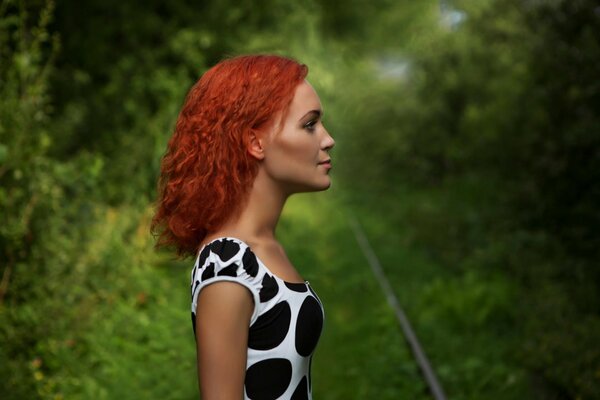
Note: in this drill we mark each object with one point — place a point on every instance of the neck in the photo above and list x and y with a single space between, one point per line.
258 219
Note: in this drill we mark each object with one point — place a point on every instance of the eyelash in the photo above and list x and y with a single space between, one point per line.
310 126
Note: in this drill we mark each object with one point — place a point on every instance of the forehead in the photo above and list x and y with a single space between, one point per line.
305 99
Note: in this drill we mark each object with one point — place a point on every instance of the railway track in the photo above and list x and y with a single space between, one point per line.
411 338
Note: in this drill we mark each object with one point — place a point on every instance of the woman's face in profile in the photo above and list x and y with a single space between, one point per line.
294 155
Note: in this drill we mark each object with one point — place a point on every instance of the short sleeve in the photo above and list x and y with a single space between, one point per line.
226 259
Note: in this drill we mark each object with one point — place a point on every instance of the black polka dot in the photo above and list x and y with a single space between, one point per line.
203 256
301 392
250 262
194 322
225 248
230 270
269 288
269 330
209 272
268 379
308 326
296 287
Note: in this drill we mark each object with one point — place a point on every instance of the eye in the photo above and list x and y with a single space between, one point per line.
310 125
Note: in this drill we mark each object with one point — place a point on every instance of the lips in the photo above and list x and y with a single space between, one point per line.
326 164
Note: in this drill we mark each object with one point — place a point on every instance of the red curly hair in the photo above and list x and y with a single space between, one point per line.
207 171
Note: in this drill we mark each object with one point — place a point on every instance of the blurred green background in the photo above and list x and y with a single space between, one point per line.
467 145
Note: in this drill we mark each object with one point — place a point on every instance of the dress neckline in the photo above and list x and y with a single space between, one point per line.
257 258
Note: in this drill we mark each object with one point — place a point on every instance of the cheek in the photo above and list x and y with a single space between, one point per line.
298 150
291 157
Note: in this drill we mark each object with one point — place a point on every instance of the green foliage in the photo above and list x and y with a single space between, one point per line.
466 323
127 316
24 138
493 146
27 185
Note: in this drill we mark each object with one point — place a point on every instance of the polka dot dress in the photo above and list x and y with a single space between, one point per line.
284 328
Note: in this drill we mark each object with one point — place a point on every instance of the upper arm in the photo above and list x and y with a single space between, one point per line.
223 314
226 299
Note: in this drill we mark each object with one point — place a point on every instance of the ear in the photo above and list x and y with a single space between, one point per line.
256 144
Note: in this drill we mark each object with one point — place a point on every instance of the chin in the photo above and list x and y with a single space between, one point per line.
324 186
311 187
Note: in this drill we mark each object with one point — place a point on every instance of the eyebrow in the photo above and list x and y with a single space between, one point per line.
318 113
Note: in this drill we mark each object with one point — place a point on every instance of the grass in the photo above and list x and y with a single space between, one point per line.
464 317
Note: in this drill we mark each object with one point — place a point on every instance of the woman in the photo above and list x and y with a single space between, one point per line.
249 135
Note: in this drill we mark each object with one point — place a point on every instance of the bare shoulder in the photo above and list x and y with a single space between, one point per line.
225 297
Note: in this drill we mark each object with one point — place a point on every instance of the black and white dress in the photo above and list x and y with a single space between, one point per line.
285 326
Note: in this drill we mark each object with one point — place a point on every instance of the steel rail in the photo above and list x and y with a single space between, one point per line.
430 377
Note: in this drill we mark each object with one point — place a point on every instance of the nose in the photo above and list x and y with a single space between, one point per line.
328 141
